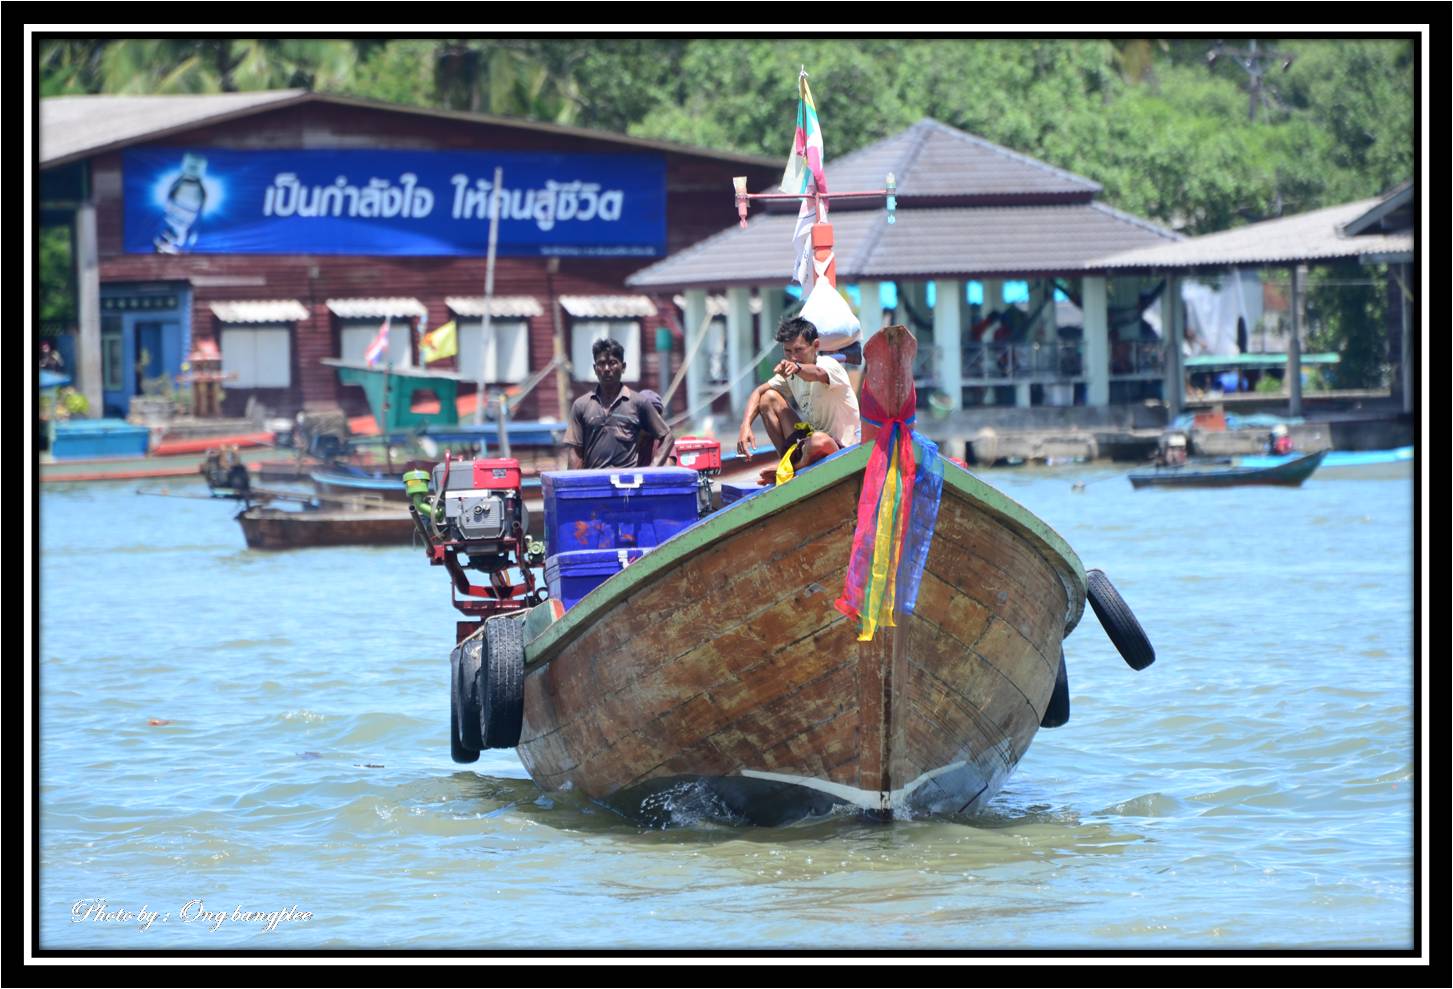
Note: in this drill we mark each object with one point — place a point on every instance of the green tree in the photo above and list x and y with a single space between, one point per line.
57 293
1347 310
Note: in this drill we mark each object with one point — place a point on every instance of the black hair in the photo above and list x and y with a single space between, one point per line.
608 346
793 327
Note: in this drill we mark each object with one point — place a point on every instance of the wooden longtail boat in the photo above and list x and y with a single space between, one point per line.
735 670
1288 473
276 528
717 668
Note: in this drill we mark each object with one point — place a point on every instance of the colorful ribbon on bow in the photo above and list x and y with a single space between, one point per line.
897 509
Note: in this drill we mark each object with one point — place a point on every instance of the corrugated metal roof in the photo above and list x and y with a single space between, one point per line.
1314 236
1392 201
78 126
72 126
260 311
376 308
500 306
961 241
608 306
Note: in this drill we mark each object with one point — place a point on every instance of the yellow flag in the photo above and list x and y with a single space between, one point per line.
439 344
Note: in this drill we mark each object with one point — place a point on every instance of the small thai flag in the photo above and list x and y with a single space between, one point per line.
379 347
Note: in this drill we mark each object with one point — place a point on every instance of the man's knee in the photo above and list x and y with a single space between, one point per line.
772 401
817 446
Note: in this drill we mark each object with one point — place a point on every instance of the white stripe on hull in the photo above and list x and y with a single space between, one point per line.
948 789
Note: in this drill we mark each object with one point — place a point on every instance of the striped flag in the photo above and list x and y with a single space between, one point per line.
379 347
804 174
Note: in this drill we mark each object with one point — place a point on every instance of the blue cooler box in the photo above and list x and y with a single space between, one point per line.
616 509
79 439
571 576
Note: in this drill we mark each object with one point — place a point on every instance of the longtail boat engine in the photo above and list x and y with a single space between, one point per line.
472 516
702 455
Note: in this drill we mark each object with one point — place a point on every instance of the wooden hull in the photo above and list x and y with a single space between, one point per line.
1291 473
717 668
271 528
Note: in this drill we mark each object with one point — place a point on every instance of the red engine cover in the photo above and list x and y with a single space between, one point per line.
497 473
698 453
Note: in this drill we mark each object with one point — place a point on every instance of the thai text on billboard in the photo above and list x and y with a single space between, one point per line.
400 203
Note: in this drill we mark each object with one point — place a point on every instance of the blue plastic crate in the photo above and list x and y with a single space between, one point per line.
616 509
571 576
79 439
733 493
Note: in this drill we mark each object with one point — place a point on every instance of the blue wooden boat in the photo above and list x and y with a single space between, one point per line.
1290 473
1338 459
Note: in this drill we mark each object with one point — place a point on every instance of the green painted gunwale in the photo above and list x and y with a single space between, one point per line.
546 637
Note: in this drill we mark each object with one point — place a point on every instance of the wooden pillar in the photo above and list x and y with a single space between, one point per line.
771 315
1294 344
739 346
1173 335
870 308
1096 355
1404 307
88 309
993 295
948 338
695 329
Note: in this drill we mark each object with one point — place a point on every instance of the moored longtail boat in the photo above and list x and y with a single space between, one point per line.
275 528
1288 473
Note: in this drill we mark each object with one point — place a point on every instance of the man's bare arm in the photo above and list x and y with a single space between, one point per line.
746 440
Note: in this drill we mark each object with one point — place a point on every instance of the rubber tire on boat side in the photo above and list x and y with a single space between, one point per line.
457 750
1118 621
471 656
502 682
1057 712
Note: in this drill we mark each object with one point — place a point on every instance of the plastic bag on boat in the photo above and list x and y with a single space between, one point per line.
827 310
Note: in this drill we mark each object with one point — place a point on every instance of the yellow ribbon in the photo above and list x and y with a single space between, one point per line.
886 551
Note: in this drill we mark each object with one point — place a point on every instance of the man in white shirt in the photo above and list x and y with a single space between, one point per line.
809 390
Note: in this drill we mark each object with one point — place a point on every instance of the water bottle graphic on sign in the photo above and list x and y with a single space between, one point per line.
184 203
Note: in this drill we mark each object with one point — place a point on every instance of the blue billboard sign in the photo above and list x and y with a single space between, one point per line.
397 203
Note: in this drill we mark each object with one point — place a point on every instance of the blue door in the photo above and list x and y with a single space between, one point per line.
149 365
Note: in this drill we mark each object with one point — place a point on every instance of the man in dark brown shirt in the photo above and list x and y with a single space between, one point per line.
607 426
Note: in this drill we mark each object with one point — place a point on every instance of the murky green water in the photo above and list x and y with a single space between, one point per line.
1252 789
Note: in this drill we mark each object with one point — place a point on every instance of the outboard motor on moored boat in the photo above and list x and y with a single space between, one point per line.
472 516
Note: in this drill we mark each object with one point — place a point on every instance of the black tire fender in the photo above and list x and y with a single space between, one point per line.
1057 712
471 656
457 750
1118 621
501 682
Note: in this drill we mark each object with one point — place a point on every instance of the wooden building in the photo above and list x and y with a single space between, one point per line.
288 226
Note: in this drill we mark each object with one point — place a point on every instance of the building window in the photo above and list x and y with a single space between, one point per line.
505 356
585 332
261 356
113 354
354 336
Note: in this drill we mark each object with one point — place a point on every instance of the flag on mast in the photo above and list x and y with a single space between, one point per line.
439 344
379 347
804 175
